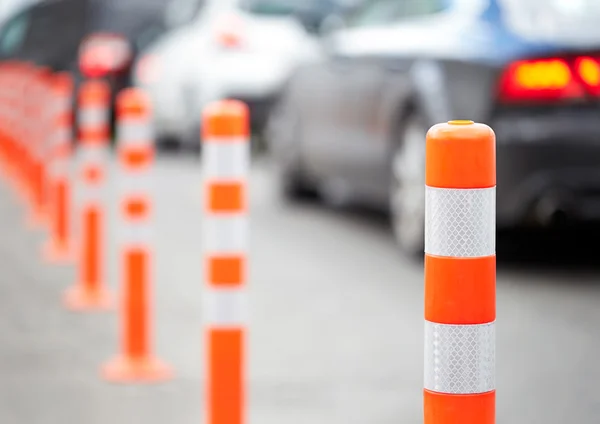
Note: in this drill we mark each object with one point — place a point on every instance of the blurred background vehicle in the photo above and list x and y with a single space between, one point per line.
242 49
89 38
351 126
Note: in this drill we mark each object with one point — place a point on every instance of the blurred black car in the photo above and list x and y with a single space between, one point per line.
89 38
352 126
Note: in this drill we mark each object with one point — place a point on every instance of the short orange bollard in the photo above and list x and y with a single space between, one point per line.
135 362
226 161
90 292
12 122
460 274
5 120
58 247
38 124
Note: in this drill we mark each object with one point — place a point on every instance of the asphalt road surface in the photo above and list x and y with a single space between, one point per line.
336 330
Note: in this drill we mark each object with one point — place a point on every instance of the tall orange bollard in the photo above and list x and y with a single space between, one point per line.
90 292
226 159
135 362
460 274
58 247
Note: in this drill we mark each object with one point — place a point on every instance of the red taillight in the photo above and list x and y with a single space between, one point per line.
550 80
588 70
539 80
101 54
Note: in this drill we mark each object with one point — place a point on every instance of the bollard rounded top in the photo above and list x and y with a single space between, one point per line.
226 118
62 83
133 103
460 154
94 92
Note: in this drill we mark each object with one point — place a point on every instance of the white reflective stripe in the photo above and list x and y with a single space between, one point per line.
225 160
135 133
93 117
134 232
460 359
460 222
93 154
134 183
225 234
224 307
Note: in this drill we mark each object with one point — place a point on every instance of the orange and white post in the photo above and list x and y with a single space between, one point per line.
58 247
135 145
90 291
226 159
6 119
37 125
12 123
460 274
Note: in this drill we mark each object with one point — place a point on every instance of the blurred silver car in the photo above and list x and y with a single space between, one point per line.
352 125
242 49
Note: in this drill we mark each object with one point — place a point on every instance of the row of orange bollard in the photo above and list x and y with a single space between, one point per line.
62 181
63 186
36 157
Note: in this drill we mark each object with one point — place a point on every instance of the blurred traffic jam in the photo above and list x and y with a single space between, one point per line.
331 107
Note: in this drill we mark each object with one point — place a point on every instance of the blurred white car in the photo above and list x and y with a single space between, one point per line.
242 49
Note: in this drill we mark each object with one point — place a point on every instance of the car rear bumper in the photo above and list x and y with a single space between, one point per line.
548 170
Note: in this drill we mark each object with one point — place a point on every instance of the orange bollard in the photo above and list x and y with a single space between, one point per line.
460 274
4 120
226 159
135 362
38 126
18 122
10 122
58 247
90 292
27 135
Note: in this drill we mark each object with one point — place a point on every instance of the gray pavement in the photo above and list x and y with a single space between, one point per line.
335 332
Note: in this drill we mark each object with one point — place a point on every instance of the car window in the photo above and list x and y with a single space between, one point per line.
309 13
382 12
13 34
375 12
415 8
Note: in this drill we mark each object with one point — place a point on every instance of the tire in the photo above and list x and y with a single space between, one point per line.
283 144
407 188
293 186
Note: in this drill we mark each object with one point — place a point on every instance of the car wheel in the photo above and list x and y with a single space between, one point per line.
284 144
407 189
